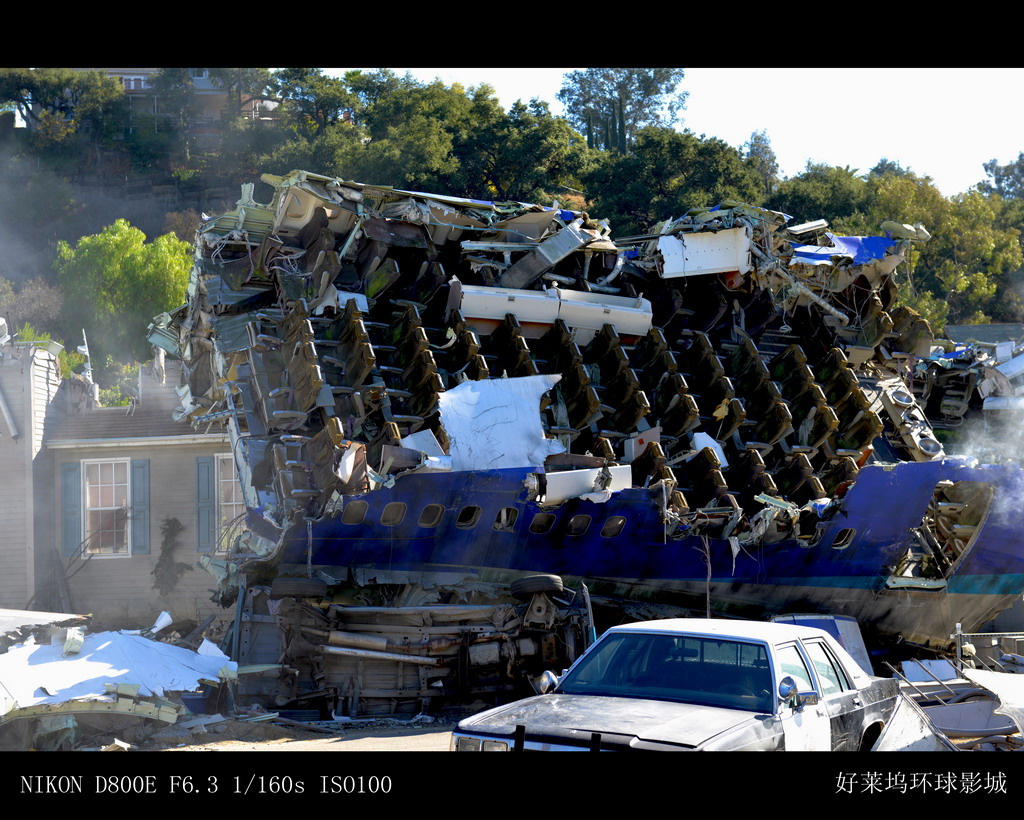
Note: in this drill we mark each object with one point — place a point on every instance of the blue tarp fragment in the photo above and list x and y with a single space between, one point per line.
860 249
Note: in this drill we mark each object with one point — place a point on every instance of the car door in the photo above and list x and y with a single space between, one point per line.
841 701
807 728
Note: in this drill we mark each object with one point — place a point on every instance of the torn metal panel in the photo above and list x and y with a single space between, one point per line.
700 254
544 256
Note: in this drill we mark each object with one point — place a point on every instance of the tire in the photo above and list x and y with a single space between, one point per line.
524 588
298 588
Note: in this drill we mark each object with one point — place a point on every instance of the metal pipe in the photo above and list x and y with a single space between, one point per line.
439 609
338 638
382 656
842 317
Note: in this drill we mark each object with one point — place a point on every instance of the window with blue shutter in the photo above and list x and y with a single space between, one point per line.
140 507
105 507
206 503
71 507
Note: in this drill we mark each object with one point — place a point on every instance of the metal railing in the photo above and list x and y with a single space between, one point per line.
983 650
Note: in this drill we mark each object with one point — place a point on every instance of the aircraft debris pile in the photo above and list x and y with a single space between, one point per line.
427 392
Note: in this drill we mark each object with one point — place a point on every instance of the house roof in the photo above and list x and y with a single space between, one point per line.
149 419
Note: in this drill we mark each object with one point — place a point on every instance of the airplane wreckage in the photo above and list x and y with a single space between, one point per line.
462 427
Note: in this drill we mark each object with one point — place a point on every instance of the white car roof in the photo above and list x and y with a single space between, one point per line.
770 633
749 630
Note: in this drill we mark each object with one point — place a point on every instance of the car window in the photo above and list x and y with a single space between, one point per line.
830 672
682 668
791 663
827 675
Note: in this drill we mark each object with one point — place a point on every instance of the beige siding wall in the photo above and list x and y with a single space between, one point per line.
44 411
16 538
119 590
28 380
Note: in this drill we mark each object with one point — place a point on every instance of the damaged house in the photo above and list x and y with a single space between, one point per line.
107 510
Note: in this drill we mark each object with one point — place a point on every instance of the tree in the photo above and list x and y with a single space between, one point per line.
242 85
115 282
963 273
610 105
37 303
311 100
668 173
67 360
840 195
759 155
887 167
176 91
64 108
1007 180
60 92
526 154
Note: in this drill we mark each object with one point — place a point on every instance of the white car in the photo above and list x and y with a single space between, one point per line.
695 684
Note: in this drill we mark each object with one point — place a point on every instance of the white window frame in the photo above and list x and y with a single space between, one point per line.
226 462
87 552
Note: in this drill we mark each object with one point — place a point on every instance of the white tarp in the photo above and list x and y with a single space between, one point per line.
495 424
33 673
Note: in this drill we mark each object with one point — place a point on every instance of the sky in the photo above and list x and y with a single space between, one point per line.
939 122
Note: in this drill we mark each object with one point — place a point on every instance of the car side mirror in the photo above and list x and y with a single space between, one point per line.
789 695
546 682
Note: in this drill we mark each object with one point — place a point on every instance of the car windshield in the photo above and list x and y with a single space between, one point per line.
682 668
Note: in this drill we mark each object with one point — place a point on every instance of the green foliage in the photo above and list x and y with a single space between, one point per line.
520 155
242 84
67 360
178 99
824 191
311 100
1006 180
336 150
65 108
965 274
118 381
887 167
667 174
611 105
759 155
115 282
397 131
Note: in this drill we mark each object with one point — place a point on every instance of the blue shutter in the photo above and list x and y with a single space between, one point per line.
140 506
206 503
71 507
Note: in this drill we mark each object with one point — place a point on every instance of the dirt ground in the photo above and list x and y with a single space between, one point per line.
242 736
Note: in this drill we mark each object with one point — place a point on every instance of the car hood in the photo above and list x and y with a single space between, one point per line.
576 717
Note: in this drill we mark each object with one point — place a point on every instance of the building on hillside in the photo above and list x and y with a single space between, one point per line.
144 100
